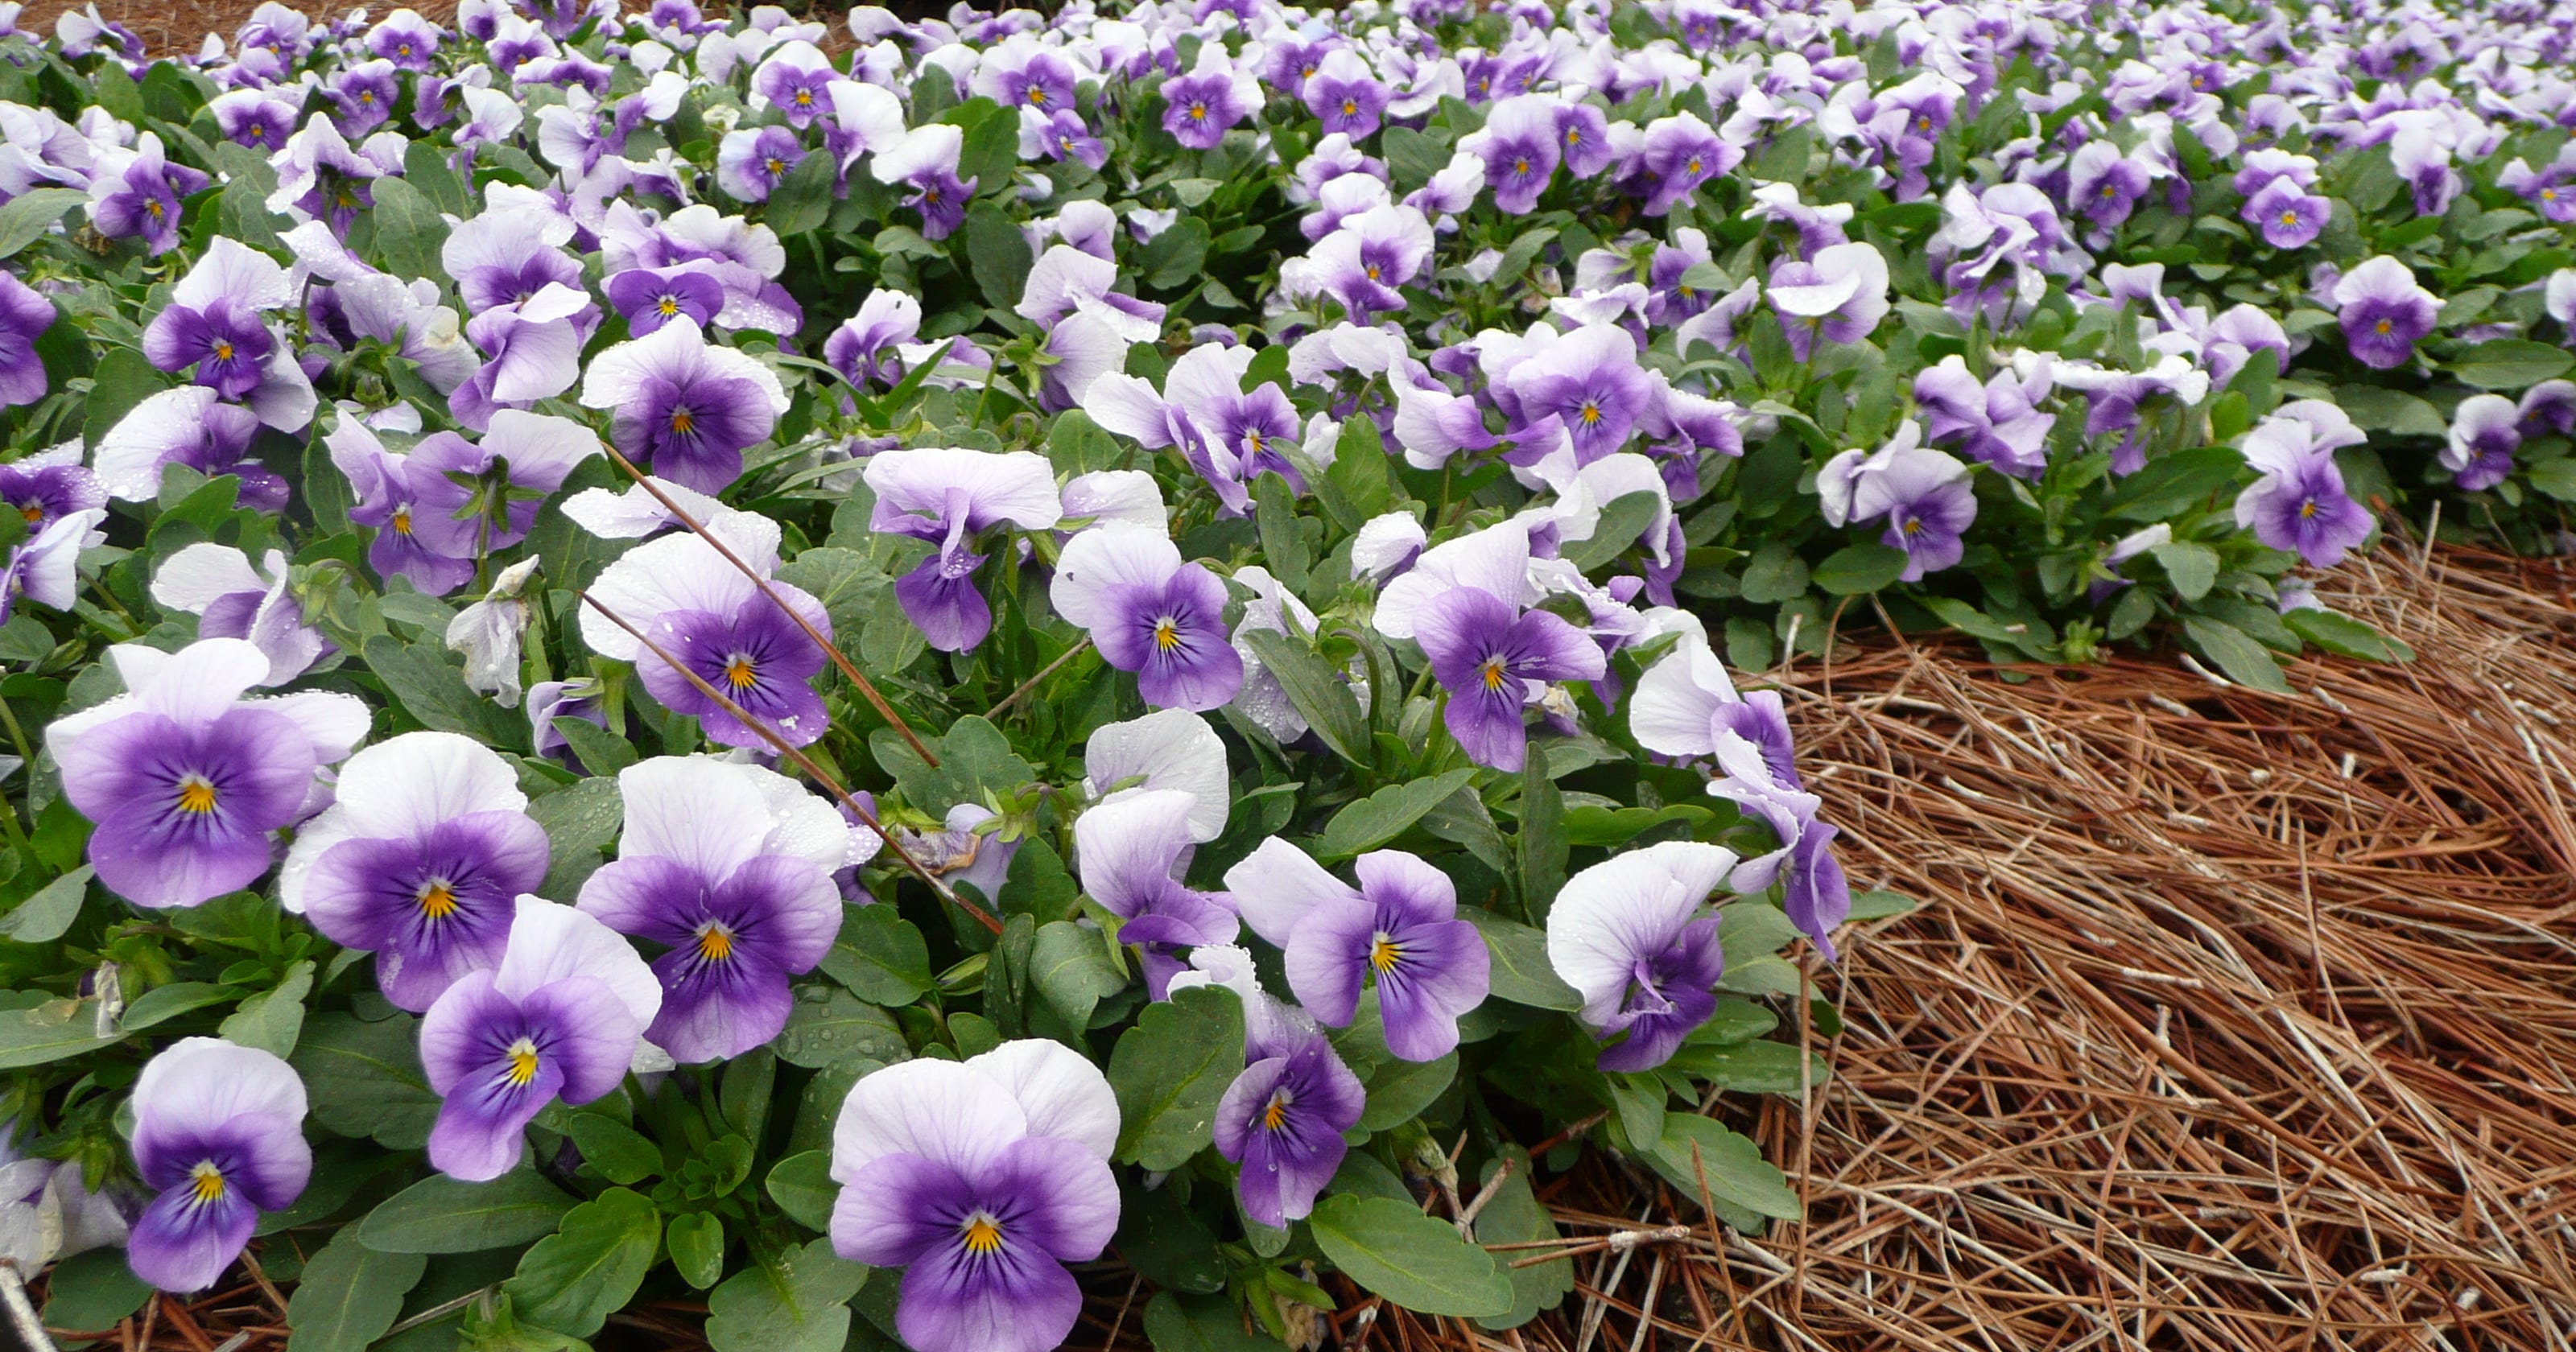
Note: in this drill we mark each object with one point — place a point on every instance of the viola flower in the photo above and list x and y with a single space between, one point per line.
1201 107
1837 296
420 859
365 95
1063 135
1684 704
509 255
2486 429
1364 260
219 1135
1632 935
1151 614
45 486
1677 155
1494 660
1399 930
926 160
216 325
729 868
752 162
140 199
1924 494
217 584
1016 76
256 118
1129 849
703 612
405 39
1345 95
2299 503
866 349
188 782
2548 407
980 1179
1997 423
321 177
1282 1119
949 497
2105 184
492 489
2288 217
652 297
686 408
560 1017
2384 312
44 568
403 501
532 351
1589 380
1169 749
185 426
1814 893
1519 145
582 699
796 79
24 317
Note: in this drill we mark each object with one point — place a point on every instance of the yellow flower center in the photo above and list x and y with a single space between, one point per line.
1493 671
669 306
1252 438
1372 272
196 795
1167 635
437 900
258 133
1914 527
1923 124
1384 954
1574 136
2289 218
777 166
1274 1114
983 1234
154 206
402 521
348 201
715 942
206 1182
1198 112
223 349
1591 413
682 421
34 512
523 1061
1521 165
1036 94
2383 326
1693 166
804 98
740 673
2307 510
1350 107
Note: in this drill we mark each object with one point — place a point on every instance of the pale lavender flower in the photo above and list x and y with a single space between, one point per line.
729 868
796 79
1168 749
1634 937
256 118
1996 422
752 162
219 1136
1519 145
1151 614
1924 495
1494 660
1837 296
1201 107
419 859
685 407
185 426
24 317
865 348
2288 217
231 599
2299 503
1345 95
652 297
406 39
216 326
1813 891
1130 849
559 1018
1589 381
1677 155
45 486
136 194
188 782
980 1179
506 256
531 349
2486 429
364 94
2384 312
949 497
1398 930
926 161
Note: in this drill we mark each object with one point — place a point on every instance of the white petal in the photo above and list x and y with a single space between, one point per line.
549 942
199 575
1063 1094
203 1082
696 809
409 785
942 1110
1106 556
1169 749
1276 885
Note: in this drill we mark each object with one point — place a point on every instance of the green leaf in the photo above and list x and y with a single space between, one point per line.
579 820
349 1295
163 1003
1318 692
828 1025
44 917
49 1032
1163 1240
364 1078
409 230
880 956
2238 656
1775 573
1621 523
1695 1147
603 753
2172 483
998 253
799 1303
1393 1250
1541 839
1512 1215
2374 408
429 688
2192 568
1176 255
1170 1070
1176 1324
272 1019
248 180
619 1152
1400 1090
697 1244
445 1215
802 1187
93 1290
1384 815
1071 972
2502 364
1749 1067
1412 157
573 1279
28 215
2346 636
1521 971
802 201
1864 567
974 758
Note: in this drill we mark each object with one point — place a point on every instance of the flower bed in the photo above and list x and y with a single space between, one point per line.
650 661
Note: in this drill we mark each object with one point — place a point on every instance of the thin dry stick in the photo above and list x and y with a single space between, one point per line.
875 698
1032 683
804 762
